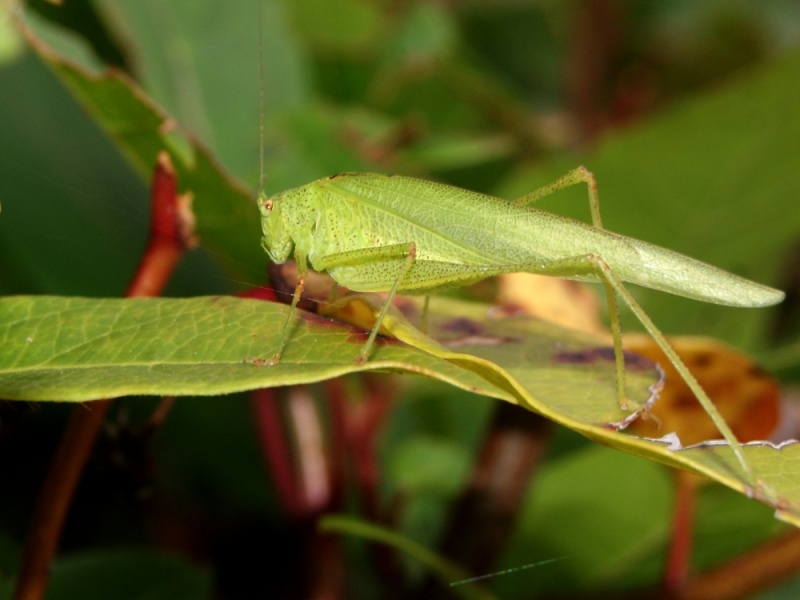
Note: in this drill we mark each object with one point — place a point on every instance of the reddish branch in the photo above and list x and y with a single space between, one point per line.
309 464
273 416
171 227
759 569
676 571
490 504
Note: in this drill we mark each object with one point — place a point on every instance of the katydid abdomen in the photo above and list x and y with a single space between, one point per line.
462 236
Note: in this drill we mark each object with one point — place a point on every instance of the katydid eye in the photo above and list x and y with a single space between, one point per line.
267 204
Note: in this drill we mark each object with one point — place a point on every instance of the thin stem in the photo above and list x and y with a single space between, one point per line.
749 573
55 497
676 571
490 503
267 406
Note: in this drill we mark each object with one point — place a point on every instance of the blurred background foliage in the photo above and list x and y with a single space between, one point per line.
686 112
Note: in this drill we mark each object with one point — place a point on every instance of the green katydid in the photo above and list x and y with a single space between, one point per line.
378 233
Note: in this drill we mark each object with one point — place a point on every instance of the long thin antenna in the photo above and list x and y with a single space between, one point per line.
262 175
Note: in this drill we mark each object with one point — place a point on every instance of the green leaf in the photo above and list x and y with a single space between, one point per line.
183 52
141 129
80 349
608 482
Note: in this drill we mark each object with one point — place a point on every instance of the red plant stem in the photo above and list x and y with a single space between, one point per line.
169 238
294 448
160 413
743 576
309 474
488 507
171 232
275 448
312 466
363 426
676 571
596 34
289 429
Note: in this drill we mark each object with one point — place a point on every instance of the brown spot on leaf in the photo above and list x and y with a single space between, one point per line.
603 354
256 361
462 325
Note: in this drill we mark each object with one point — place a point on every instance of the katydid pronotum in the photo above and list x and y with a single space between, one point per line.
378 233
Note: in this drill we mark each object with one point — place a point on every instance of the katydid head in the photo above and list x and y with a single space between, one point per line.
276 241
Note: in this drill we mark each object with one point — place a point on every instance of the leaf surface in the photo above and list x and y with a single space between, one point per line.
79 349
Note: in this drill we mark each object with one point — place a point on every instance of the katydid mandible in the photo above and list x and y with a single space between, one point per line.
379 233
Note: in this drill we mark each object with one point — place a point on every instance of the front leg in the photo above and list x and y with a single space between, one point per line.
377 253
302 272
